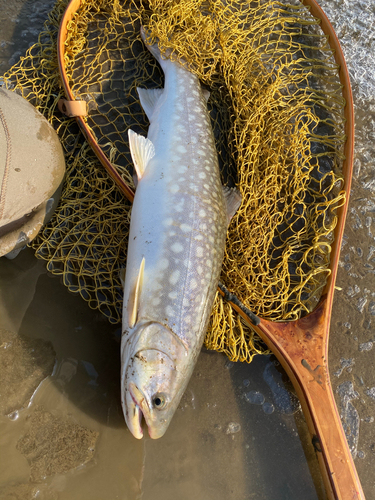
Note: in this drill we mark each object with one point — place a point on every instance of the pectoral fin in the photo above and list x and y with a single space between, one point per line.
142 150
134 297
149 98
233 200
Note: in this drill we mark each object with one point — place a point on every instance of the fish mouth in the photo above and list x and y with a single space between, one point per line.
136 419
135 410
138 410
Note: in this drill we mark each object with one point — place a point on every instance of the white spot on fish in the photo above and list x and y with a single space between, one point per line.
202 175
156 301
172 295
185 228
177 247
181 149
174 189
181 169
199 251
173 278
199 237
168 222
156 286
169 311
193 284
186 302
163 264
202 213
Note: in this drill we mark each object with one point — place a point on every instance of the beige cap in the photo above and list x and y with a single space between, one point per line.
32 169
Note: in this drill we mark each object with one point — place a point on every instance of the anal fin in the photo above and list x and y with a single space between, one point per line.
134 297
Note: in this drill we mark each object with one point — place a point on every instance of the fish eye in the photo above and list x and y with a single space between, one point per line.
159 401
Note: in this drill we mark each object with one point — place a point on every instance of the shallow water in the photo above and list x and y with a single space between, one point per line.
239 432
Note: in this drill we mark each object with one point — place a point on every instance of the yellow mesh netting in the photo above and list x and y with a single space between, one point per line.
277 114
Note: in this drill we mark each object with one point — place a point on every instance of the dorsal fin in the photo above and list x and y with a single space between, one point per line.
233 200
142 150
149 98
134 297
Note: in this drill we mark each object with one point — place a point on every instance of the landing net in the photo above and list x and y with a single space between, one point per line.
277 114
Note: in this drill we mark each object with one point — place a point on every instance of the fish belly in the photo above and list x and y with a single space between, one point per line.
178 221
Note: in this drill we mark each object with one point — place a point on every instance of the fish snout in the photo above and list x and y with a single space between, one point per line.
132 409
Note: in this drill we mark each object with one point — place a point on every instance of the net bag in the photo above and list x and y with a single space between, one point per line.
277 113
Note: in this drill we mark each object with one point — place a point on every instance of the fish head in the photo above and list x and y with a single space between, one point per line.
151 381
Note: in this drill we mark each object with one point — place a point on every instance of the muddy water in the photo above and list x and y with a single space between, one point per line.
237 425
239 432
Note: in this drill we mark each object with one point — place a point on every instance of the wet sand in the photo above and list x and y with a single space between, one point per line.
239 432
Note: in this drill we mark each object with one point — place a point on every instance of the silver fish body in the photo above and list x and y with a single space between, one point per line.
176 246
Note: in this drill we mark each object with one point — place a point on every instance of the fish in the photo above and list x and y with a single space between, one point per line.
176 246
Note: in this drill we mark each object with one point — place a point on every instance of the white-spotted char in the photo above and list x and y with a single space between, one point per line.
176 246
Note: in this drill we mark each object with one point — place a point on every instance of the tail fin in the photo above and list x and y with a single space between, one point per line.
154 49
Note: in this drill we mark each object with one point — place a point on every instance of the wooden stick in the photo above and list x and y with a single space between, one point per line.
302 349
